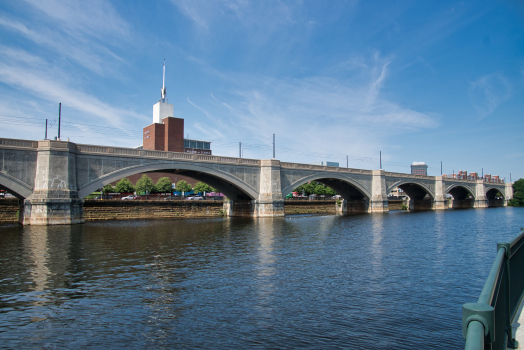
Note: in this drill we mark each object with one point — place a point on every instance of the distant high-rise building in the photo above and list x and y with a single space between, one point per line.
419 168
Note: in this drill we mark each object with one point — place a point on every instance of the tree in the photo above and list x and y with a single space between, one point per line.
164 185
314 187
203 187
108 189
145 184
319 189
307 189
183 186
124 186
518 194
330 191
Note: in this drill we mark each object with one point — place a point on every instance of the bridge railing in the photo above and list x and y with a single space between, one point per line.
164 154
18 143
301 166
473 178
486 324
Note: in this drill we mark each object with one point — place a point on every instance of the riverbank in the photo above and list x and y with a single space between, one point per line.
96 210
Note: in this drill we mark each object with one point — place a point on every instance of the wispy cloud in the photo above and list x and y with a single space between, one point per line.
52 84
94 18
57 46
199 108
488 92
329 111
85 33
246 13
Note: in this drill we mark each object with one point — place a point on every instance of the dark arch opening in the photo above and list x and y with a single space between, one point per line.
462 197
415 191
495 198
494 194
460 193
343 188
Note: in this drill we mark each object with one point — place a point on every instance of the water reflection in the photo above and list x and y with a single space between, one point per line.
301 282
36 251
377 249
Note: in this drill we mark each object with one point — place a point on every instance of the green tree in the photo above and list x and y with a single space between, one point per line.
145 184
314 187
124 186
108 189
518 194
330 191
203 187
320 189
183 186
163 185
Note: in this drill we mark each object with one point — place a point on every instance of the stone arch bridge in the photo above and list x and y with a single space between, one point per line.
53 177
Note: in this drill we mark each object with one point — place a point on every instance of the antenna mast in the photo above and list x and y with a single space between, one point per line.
163 93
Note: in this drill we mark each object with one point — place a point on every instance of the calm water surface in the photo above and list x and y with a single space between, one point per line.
392 281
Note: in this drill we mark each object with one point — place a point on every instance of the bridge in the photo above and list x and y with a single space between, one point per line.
52 177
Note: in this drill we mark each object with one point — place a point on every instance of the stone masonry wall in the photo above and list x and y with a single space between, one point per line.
309 207
8 210
128 210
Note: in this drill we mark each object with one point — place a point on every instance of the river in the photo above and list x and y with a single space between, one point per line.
380 281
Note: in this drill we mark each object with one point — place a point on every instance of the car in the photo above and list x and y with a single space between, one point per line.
130 197
194 198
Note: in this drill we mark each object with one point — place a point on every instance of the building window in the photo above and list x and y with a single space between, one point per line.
186 143
193 144
207 145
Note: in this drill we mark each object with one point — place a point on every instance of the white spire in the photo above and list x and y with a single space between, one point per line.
163 92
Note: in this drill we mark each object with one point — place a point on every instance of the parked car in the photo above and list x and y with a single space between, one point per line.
194 198
130 197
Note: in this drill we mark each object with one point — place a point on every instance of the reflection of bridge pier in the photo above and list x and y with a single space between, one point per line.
52 177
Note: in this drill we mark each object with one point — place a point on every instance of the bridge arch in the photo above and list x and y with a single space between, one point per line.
231 186
344 187
492 191
415 190
460 192
18 188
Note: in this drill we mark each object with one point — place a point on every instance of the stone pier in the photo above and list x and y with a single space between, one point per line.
55 196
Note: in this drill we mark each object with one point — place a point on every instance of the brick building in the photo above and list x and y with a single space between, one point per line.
166 133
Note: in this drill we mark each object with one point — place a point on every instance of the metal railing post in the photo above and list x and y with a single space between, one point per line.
478 318
511 343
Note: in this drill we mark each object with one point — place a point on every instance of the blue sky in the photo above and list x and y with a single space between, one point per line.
416 80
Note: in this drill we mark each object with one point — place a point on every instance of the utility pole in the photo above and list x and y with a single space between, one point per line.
240 150
509 177
59 116
380 160
273 146
347 162
45 129
440 168
482 172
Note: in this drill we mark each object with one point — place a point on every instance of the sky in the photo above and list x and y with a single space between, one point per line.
353 82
